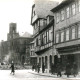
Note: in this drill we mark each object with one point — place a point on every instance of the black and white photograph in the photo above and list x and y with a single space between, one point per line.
39 39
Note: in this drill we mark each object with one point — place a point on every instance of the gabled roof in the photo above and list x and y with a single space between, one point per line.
61 5
43 7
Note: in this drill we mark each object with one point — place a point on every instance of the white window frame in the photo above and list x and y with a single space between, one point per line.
62 14
62 36
68 12
47 34
50 34
57 37
45 37
73 32
73 9
79 31
67 34
79 5
57 17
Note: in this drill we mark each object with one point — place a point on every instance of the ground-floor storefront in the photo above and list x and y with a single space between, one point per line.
71 59
33 61
70 54
47 58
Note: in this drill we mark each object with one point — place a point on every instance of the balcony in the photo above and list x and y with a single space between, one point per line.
38 49
34 18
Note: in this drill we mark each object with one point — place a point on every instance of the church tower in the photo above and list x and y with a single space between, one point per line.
12 32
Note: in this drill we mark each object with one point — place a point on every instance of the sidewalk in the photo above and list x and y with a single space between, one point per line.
54 75
42 74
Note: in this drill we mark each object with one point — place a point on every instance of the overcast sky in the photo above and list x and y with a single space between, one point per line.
17 11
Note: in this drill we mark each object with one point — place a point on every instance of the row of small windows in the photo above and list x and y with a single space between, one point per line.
68 34
44 38
61 15
32 53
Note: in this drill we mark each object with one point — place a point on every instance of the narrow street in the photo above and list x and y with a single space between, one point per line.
20 75
27 75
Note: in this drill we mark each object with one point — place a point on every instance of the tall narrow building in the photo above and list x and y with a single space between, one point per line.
42 21
12 32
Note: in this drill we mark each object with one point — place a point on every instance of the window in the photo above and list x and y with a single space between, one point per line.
73 9
43 38
41 22
57 17
38 23
47 36
67 34
62 15
35 26
73 33
31 53
48 20
79 5
79 31
67 12
37 42
57 37
62 36
33 14
50 34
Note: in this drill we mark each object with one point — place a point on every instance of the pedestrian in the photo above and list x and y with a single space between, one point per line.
68 69
35 67
59 69
12 68
38 67
52 68
75 69
43 67
32 67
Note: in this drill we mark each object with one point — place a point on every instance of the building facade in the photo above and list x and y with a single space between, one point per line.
67 32
42 21
16 48
33 56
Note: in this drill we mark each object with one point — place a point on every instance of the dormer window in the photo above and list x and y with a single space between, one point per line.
33 14
38 23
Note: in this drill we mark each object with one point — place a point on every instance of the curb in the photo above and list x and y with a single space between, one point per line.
42 74
53 76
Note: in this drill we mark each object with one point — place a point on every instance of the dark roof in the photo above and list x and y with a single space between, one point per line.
61 5
43 7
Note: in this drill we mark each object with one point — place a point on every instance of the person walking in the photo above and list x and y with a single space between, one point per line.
12 68
59 69
68 69
52 68
75 69
32 67
43 67
38 67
